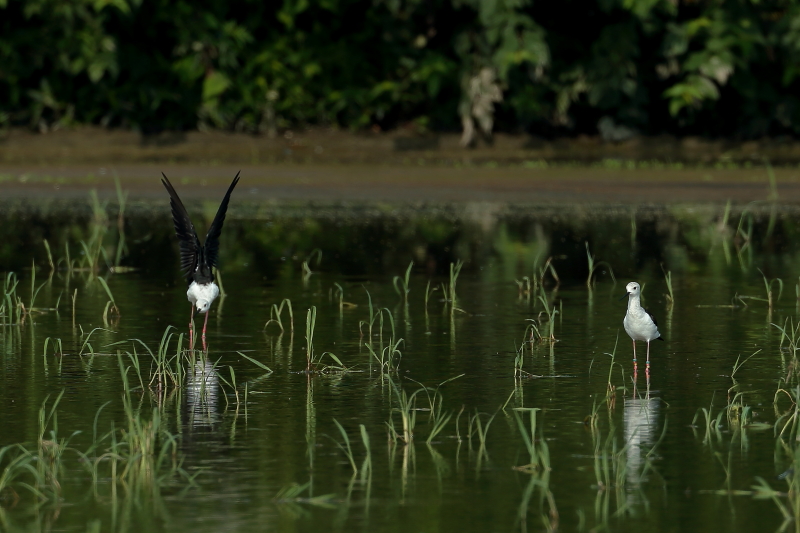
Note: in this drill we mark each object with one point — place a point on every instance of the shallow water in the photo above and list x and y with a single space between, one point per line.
642 462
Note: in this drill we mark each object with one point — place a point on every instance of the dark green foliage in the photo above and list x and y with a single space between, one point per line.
726 67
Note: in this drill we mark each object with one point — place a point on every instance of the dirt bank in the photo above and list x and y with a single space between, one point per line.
89 145
337 166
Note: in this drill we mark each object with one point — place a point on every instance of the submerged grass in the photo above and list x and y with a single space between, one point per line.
401 284
276 312
313 361
594 265
385 352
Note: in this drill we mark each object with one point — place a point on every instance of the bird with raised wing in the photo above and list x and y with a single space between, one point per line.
198 261
639 324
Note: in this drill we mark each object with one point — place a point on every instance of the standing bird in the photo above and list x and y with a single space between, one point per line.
198 260
639 324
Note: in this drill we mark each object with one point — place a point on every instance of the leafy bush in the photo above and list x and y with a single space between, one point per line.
615 66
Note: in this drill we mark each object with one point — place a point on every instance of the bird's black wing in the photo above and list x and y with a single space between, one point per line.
214 231
654 322
191 250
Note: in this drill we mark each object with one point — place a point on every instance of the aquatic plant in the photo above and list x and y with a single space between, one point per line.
315 253
449 290
291 494
437 418
406 407
337 293
314 362
276 312
476 427
538 451
429 292
111 305
768 288
711 424
401 284
387 354
594 265
551 314
11 308
668 280
345 446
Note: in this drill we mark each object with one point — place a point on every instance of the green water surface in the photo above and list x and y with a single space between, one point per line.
611 453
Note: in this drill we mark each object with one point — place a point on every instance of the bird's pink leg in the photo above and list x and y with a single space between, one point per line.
635 365
647 367
191 330
205 323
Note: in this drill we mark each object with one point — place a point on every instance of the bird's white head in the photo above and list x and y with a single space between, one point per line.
632 288
202 306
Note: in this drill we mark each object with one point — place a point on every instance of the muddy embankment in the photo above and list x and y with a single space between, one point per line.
332 165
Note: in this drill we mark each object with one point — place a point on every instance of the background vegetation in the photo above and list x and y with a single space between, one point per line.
618 67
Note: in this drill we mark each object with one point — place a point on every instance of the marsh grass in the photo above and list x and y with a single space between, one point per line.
594 265
538 451
528 285
94 246
406 407
551 313
401 284
51 450
788 421
519 358
477 428
11 306
711 424
291 494
49 257
122 200
739 414
111 308
668 279
449 290
276 312
306 266
18 470
86 345
336 293
789 343
345 446
429 291
313 361
385 353
524 285
768 290
256 362
169 366
57 347
34 290
437 419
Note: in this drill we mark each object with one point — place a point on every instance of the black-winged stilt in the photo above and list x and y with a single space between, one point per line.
198 260
639 324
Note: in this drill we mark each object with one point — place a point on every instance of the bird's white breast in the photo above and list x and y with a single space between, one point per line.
639 326
205 291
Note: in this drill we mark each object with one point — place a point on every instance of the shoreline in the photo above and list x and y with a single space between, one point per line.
368 168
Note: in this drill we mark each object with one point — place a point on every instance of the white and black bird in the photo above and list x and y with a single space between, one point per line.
639 324
198 261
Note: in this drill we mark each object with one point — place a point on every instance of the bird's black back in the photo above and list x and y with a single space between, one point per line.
654 322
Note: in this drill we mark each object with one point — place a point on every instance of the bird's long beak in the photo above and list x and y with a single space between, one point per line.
625 295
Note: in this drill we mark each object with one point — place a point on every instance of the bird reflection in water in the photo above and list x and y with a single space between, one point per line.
202 394
640 424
